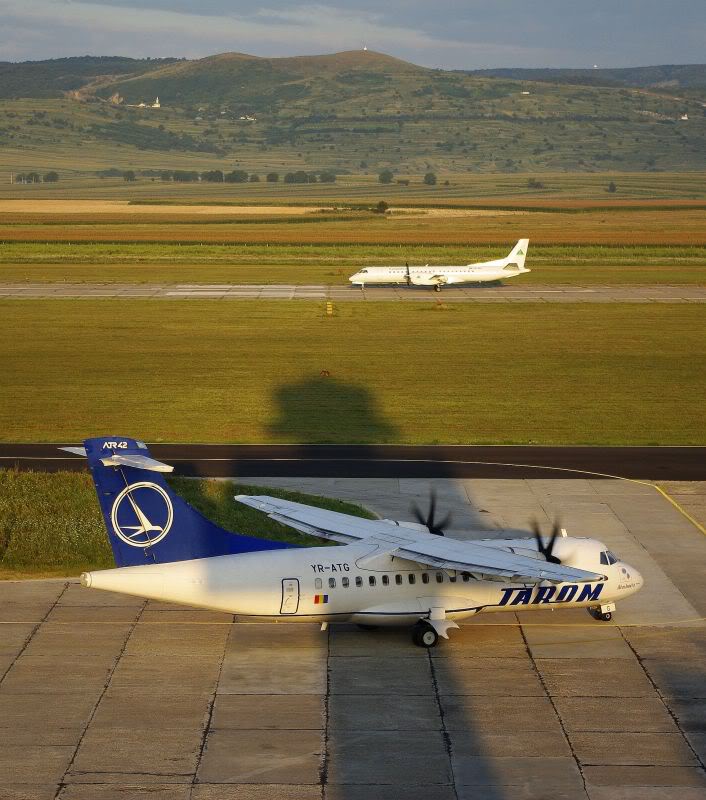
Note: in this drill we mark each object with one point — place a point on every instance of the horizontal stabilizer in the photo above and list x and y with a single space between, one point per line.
136 461
77 451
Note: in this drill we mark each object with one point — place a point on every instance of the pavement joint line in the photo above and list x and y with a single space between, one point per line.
325 733
659 694
62 783
543 684
211 704
444 730
587 625
37 626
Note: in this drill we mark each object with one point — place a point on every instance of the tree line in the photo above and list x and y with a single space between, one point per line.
219 176
35 177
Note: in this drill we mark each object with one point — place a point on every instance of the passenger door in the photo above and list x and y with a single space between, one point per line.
290 596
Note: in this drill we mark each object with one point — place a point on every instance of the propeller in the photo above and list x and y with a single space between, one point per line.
546 549
434 526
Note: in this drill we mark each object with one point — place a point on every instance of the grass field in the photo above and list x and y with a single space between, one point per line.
333 264
51 525
409 373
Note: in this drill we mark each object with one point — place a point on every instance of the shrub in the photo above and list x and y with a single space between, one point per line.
430 179
385 176
272 177
236 176
51 177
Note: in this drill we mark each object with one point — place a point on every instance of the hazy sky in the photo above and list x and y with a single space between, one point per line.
443 33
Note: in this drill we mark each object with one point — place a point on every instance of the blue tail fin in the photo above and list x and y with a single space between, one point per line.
147 523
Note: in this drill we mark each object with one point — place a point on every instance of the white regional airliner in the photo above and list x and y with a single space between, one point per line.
384 573
437 277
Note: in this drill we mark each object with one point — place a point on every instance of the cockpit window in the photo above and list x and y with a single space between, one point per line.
363 271
608 558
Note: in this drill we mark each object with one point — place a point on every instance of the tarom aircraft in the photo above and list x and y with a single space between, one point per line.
384 573
437 277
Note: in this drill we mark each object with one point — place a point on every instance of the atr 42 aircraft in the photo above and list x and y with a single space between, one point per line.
437 277
385 572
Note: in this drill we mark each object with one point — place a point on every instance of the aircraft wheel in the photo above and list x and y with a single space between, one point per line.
594 612
607 617
424 635
437 287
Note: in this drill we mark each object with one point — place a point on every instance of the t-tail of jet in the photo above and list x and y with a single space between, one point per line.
518 255
147 522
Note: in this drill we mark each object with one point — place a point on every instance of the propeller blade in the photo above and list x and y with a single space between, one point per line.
429 521
418 514
439 527
547 549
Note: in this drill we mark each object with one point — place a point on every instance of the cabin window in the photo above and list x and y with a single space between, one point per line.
425 577
331 583
439 577
318 583
412 577
385 580
398 580
466 577
371 580
358 581
345 582
452 578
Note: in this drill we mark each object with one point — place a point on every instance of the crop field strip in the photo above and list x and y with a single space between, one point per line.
284 371
464 187
425 226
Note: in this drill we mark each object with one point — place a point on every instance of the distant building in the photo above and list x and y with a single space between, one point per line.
525 92
142 105
156 103
684 116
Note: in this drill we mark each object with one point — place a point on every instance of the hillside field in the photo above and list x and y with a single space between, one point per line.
406 373
349 113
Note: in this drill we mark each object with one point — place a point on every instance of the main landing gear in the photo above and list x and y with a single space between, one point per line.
603 613
423 635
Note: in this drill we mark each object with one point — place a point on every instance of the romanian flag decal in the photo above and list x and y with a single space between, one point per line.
320 598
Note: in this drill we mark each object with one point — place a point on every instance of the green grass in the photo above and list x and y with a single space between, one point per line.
407 373
332 264
50 524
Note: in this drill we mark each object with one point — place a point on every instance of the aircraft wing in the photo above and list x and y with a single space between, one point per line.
417 545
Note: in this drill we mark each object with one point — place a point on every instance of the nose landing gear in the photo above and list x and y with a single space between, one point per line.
603 613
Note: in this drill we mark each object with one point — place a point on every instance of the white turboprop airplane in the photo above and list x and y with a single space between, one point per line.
437 277
384 573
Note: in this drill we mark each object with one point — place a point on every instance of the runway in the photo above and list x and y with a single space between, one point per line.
510 293
404 461
105 696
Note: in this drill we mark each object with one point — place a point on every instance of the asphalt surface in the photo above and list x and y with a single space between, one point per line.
404 461
106 697
509 293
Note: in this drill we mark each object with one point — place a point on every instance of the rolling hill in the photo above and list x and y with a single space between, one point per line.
688 80
347 112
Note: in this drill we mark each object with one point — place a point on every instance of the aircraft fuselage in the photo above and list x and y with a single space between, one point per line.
350 583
